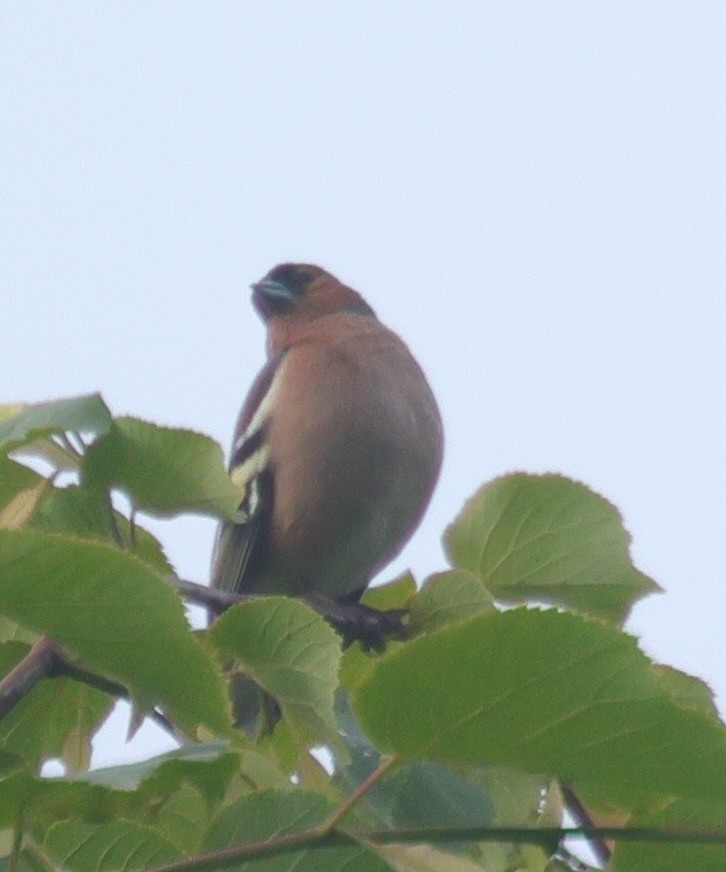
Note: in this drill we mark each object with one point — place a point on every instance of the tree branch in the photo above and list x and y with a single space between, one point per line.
113 688
39 663
339 813
46 660
544 836
352 620
201 595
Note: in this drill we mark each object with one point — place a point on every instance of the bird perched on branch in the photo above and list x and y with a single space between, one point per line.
338 445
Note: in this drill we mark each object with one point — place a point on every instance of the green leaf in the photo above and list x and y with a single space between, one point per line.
208 765
393 594
21 490
686 690
447 597
362 758
548 539
416 795
516 796
57 718
164 471
425 858
546 692
357 658
210 768
15 478
357 661
11 631
24 861
117 615
265 815
85 414
85 513
423 794
9 410
183 819
519 799
270 814
431 795
43 800
20 510
110 847
669 856
292 653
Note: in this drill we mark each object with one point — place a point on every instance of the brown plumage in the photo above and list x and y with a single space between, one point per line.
338 445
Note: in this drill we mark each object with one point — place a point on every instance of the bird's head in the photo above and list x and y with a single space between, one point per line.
301 290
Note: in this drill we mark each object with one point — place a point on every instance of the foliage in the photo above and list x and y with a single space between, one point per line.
446 751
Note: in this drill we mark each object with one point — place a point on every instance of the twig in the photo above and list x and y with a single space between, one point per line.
113 688
312 838
318 835
383 768
214 599
351 620
46 660
39 663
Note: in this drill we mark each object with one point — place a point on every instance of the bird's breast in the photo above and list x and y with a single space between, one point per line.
361 455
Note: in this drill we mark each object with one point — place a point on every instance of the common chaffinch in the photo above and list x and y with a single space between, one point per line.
338 445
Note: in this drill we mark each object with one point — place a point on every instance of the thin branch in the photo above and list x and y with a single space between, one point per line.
46 660
544 836
256 850
98 682
383 768
113 688
211 597
318 835
351 620
38 663
219 601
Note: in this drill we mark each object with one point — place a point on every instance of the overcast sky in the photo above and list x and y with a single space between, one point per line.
532 194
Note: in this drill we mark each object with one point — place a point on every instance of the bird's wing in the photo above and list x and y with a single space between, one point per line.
235 543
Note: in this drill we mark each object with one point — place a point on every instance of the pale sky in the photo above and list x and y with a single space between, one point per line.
532 194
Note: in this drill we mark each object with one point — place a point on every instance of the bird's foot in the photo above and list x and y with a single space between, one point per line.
359 623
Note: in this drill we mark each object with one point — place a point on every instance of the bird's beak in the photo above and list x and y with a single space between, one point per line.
270 297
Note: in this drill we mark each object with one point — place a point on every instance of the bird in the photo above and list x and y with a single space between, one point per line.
337 448
338 445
